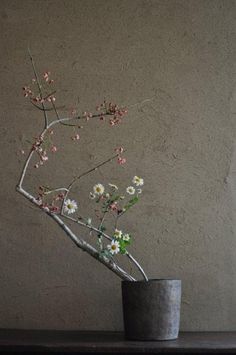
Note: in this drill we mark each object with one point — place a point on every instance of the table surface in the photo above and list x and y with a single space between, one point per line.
105 342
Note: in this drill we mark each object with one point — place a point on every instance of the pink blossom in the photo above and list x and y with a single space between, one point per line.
119 150
54 209
44 157
121 160
87 115
76 137
53 149
27 91
46 75
51 99
113 206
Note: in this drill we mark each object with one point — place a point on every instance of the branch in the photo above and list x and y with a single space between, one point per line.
84 174
91 170
110 264
100 229
109 238
39 88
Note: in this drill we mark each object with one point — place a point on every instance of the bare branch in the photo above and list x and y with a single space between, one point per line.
39 88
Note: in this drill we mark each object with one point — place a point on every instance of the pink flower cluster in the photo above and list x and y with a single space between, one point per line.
54 205
87 115
76 137
41 151
27 91
38 98
111 109
120 160
46 76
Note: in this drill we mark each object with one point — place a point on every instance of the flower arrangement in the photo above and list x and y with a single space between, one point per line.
58 203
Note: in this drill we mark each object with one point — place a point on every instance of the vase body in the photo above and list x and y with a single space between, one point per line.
151 309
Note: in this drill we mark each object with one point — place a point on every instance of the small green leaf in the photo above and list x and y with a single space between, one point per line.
131 203
106 253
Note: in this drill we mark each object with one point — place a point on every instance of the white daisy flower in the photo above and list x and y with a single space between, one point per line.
117 234
113 186
114 247
126 237
130 190
98 189
70 206
138 181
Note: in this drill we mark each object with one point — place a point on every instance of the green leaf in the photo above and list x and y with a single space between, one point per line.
106 253
123 244
131 203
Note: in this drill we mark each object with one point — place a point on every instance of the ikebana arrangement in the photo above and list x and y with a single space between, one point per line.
57 202
151 307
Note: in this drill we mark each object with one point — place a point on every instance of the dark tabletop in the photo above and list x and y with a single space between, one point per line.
106 342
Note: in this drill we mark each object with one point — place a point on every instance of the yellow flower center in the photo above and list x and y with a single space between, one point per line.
70 206
113 247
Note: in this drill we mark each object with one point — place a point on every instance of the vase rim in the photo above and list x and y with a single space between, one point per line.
150 280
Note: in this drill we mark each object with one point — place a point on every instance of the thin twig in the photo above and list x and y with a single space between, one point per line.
77 178
91 170
100 229
39 88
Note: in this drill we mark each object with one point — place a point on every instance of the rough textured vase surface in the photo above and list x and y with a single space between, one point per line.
151 309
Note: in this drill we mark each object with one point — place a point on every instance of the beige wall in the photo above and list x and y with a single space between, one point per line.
180 55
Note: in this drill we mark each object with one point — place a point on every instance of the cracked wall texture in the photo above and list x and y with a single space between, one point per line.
181 56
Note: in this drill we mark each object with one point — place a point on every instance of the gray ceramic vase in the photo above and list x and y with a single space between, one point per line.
151 309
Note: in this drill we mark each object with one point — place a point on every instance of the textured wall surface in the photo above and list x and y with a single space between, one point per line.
181 56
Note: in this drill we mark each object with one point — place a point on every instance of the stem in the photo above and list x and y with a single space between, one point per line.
84 174
110 264
55 190
99 228
109 238
91 170
25 168
39 88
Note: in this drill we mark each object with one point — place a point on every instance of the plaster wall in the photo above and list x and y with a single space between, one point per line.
173 64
